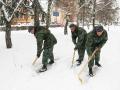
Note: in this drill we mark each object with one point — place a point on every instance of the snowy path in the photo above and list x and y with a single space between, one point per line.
17 73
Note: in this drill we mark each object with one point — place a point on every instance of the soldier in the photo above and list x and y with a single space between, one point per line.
95 40
79 38
46 39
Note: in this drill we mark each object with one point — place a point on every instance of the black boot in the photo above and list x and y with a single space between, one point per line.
91 72
43 69
78 62
51 62
97 64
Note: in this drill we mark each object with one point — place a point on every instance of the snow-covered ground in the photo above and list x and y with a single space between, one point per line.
17 72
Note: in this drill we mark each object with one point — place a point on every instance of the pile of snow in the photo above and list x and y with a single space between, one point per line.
17 72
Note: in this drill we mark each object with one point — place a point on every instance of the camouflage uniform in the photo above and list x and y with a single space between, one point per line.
93 42
79 39
46 39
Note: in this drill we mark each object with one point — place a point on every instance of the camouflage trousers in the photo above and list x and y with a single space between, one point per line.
47 54
81 53
95 59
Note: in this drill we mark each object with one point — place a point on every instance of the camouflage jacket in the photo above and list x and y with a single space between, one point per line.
45 39
79 37
94 41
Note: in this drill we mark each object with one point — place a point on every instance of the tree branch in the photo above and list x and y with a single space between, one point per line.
8 18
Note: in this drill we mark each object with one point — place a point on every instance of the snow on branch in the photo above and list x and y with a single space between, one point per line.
5 12
104 6
85 4
15 10
8 18
5 4
40 3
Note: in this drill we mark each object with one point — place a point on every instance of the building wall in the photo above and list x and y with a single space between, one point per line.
58 19
61 19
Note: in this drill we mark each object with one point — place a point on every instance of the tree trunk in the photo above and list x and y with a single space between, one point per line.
94 6
78 19
8 35
43 18
65 28
48 14
36 13
83 18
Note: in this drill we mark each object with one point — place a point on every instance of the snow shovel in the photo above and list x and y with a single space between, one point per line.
36 58
73 59
89 59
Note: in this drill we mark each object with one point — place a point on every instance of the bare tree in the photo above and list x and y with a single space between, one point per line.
108 13
91 11
8 12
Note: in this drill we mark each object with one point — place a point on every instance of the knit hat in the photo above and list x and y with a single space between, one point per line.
72 25
98 28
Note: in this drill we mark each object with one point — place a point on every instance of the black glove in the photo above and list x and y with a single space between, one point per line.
38 55
75 48
97 48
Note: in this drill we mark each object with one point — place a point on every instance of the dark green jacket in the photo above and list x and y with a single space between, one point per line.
79 37
45 39
94 41
50 41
